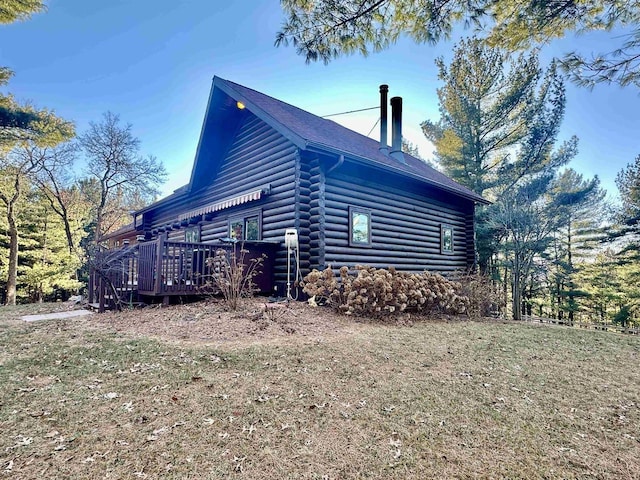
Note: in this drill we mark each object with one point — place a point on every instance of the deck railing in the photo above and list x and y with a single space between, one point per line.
169 268
114 277
163 268
181 268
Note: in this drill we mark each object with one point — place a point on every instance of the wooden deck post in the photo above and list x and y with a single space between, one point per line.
159 258
101 294
92 280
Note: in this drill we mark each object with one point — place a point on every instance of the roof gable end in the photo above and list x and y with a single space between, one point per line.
222 118
305 130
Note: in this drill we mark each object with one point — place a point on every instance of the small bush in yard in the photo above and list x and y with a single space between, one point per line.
232 275
381 292
484 300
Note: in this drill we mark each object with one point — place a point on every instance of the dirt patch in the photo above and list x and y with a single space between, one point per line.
209 322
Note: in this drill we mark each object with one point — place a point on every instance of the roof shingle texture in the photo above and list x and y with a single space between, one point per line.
322 132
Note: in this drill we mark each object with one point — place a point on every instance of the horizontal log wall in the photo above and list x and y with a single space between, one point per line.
258 157
306 201
315 242
406 220
176 235
406 215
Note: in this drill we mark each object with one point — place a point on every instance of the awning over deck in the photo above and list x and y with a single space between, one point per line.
221 205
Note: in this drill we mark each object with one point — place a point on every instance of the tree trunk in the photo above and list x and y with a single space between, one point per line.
100 211
12 276
67 231
69 234
505 290
570 263
97 235
10 202
516 302
529 305
558 292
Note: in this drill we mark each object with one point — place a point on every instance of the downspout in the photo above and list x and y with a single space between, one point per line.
337 165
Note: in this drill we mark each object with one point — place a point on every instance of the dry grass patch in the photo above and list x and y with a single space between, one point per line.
210 322
438 399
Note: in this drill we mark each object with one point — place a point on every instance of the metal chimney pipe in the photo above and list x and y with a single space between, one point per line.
396 129
384 89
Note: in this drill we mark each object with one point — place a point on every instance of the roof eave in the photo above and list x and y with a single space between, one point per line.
128 228
202 129
168 199
322 148
259 112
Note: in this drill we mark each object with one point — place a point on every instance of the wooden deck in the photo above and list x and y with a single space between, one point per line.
163 269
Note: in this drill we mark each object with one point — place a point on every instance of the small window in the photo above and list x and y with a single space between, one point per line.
252 228
236 229
245 228
446 239
359 226
192 234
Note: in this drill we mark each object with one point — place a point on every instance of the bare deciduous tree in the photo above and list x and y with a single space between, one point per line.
114 163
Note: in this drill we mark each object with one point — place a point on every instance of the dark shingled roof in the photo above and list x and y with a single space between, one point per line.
325 134
128 228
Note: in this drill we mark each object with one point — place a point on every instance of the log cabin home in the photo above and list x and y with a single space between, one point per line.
264 167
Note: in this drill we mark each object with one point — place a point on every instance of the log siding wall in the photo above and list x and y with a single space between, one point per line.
303 211
258 157
405 225
406 215
317 217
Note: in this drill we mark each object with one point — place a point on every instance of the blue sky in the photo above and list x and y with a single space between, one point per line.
152 63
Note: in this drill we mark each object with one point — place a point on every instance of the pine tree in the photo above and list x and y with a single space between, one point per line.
628 183
579 202
325 29
601 280
527 218
497 135
46 265
16 10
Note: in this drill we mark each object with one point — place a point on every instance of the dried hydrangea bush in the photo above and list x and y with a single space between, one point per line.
370 291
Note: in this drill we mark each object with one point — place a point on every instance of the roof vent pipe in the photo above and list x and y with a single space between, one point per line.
384 89
396 129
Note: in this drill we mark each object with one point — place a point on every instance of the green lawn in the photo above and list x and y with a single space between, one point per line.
433 400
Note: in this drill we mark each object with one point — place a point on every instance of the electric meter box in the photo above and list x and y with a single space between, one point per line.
291 238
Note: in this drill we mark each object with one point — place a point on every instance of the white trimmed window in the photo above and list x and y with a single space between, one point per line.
359 226
446 239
